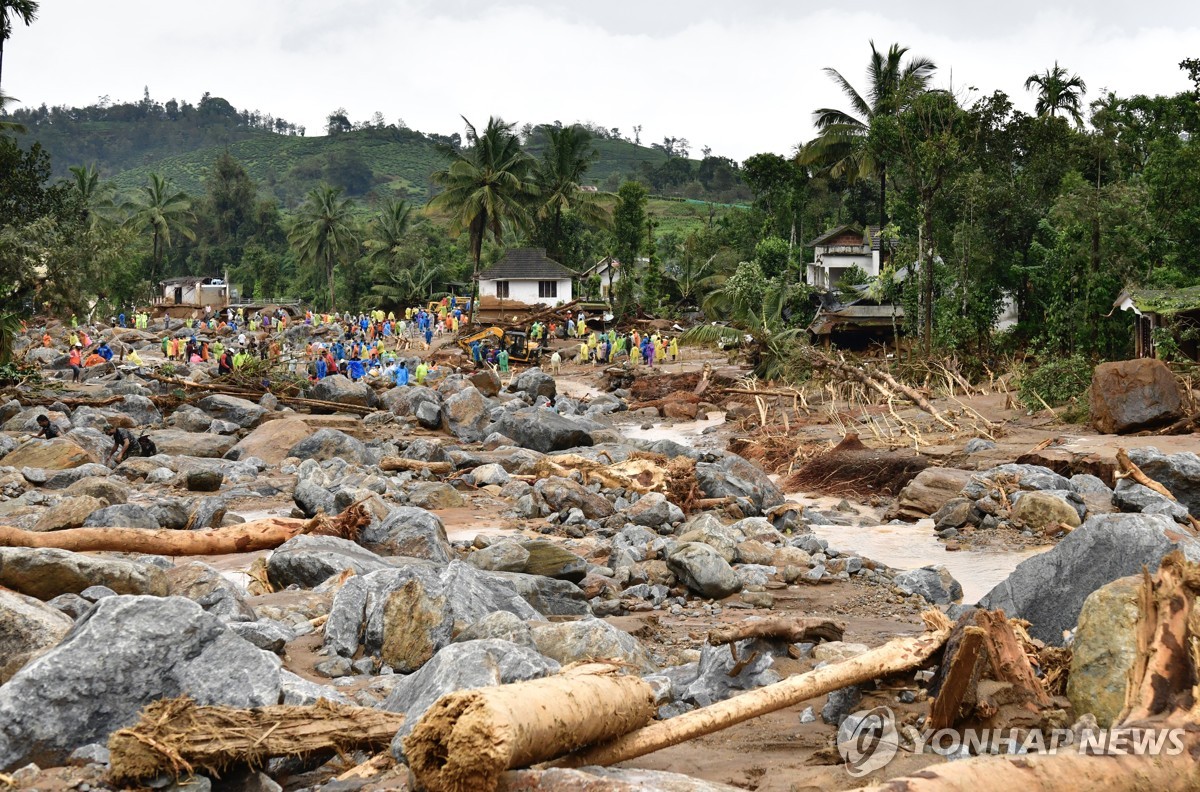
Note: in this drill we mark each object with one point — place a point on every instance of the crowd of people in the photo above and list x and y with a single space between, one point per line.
394 346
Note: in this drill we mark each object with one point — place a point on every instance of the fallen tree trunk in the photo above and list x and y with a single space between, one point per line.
881 382
265 534
416 465
180 737
894 657
780 628
468 738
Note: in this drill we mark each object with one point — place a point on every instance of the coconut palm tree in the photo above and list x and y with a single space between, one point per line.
388 231
163 213
843 144
96 196
1058 91
485 187
558 176
11 12
324 233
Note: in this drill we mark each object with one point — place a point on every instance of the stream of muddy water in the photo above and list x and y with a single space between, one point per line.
914 545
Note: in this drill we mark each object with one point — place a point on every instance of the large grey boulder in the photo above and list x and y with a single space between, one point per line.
551 560
343 390
123 654
563 493
211 590
467 415
331 444
547 596
1129 496
733 477
1049 590
140 409
718 675
176 442
534 383
543 430
503 556
28 628
934 583
408 531
462 666
409 612
590 639
406 399
45 573
123 515
703 570
242 412
309 560
1179 473
1026 477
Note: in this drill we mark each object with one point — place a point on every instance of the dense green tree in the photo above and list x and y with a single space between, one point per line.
846 143
1058 91
325 234
12 12
629 232
164 214
484 187
558 177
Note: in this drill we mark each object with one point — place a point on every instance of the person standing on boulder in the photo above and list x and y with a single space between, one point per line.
75 360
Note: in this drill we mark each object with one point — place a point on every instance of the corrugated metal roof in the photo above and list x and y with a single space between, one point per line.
526 264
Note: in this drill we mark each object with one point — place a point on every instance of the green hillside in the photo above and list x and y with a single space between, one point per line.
180 141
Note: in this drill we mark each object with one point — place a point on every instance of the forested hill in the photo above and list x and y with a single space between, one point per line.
180 141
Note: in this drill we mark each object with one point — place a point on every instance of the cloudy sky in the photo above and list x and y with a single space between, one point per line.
741 77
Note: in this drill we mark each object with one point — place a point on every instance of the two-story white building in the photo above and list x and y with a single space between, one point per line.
838 250
526 275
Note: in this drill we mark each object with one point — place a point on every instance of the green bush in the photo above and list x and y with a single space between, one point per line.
1055 381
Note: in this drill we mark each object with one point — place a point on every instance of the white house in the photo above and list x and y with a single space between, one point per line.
838 250
192 290
526 275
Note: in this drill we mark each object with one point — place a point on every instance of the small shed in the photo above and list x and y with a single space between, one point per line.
1176 310
526 275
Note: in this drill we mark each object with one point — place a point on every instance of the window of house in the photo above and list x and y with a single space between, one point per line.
502 289
547 289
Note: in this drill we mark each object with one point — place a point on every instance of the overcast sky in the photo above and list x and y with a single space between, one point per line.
741 76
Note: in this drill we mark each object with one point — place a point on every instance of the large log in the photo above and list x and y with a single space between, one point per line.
780 628
894 657
1056 772
468 738
265 534
180 737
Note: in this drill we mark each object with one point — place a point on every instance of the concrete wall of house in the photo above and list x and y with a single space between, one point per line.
527 291
831 262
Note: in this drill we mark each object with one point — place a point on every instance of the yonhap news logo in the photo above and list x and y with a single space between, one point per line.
870 739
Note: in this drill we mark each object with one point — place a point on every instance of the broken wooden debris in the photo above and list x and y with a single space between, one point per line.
180 737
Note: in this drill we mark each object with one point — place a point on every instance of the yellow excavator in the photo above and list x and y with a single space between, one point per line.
520 349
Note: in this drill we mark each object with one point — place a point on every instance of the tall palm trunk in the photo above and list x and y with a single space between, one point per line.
329 264
1 61
882 196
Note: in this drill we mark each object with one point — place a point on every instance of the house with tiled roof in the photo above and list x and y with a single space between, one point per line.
527 275
841 248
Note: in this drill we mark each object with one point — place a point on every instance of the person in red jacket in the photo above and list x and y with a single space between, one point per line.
75 359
